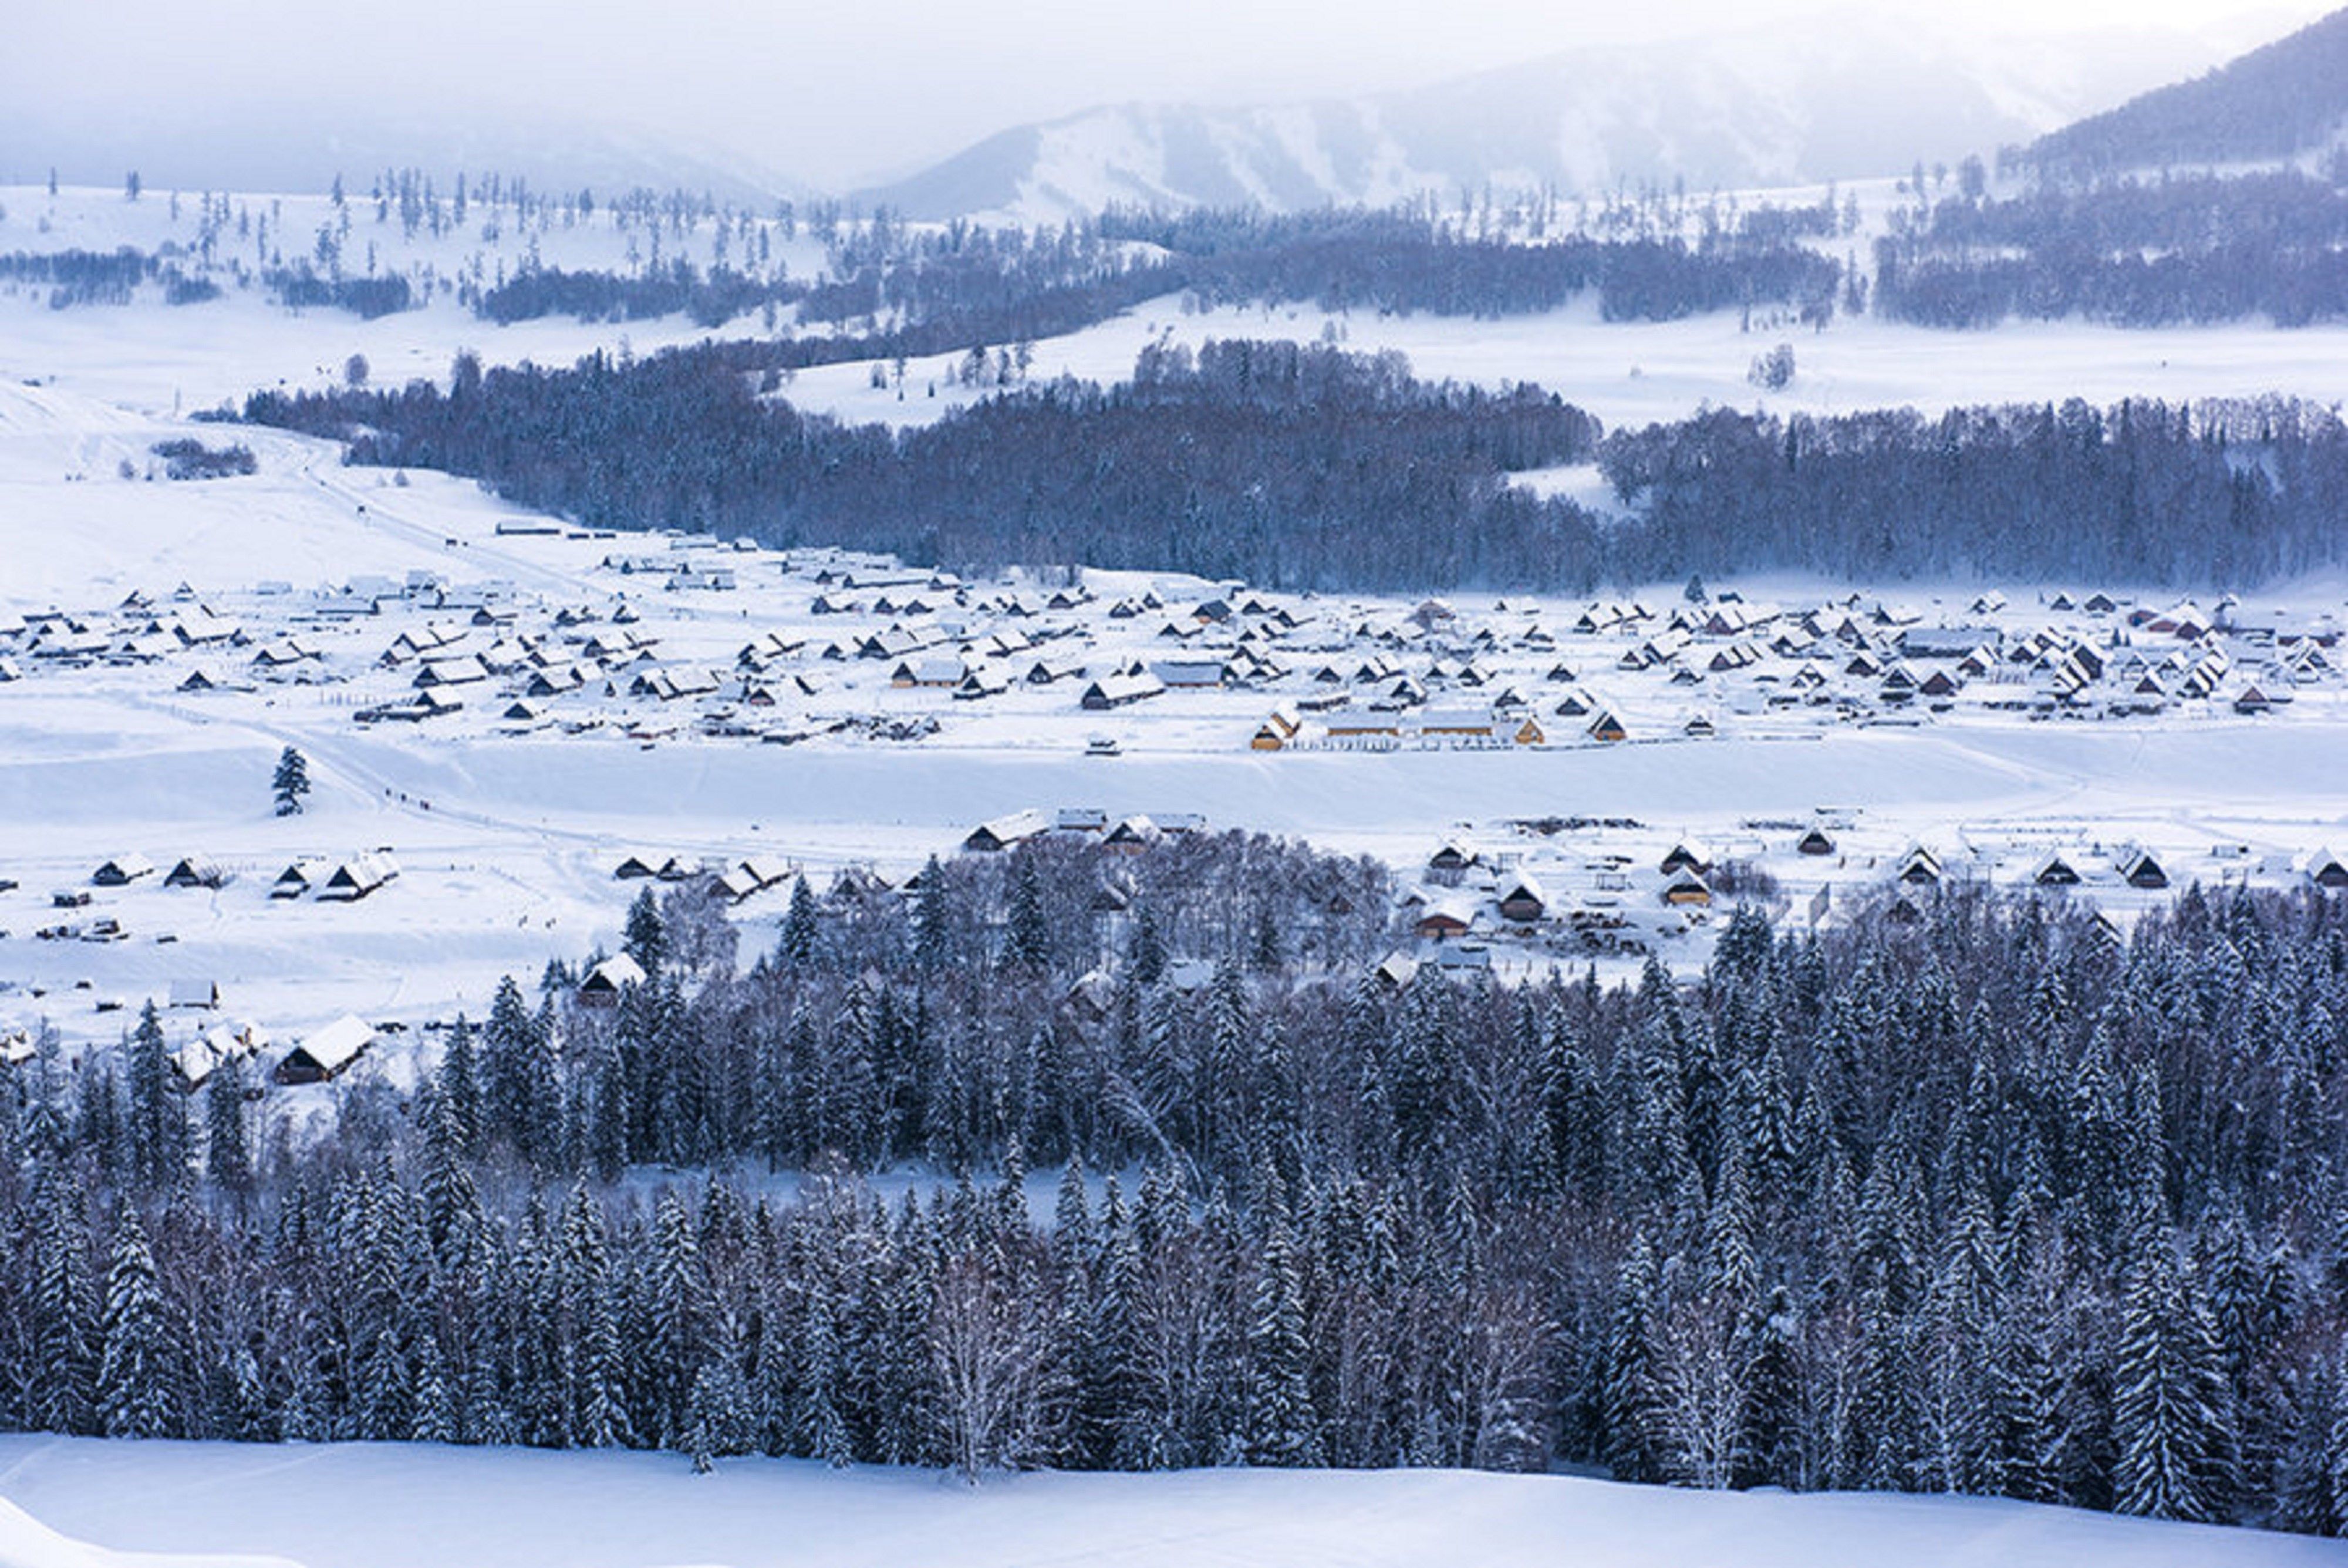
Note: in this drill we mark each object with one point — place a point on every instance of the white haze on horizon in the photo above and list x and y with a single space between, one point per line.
826 93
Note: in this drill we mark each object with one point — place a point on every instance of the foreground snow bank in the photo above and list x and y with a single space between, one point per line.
27 1542
359 1506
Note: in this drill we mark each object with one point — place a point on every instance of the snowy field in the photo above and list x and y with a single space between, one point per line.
172 360
1637 373
509 814
356 1506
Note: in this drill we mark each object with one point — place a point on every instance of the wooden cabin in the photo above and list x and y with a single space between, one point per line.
1523 901
1687 891
607 980
326 1054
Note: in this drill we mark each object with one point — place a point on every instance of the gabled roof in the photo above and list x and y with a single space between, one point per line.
337 1044
1004 831
615 974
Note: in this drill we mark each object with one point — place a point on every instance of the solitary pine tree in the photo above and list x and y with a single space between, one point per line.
291 782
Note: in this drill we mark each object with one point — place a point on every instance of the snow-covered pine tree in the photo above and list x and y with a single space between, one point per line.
609 1117
138 1393
156 1126
719 1419
458 1084
1027 938
1145 952
64 1398
595 1404
228 1151
289 786
2171 1416
1635 1395
435 1414
645 936
801 929
1282 1430
680 1321
933 920
1770 1451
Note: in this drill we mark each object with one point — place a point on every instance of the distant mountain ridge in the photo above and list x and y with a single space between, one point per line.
1858 97
2287 97
293 147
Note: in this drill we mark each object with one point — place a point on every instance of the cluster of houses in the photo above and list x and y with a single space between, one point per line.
1131 834
135 630
836 643
1599 898
345 881
1529 677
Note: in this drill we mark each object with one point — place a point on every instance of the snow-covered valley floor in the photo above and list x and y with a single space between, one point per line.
364 1506
507 831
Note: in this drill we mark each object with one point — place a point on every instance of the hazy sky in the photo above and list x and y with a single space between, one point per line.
840 90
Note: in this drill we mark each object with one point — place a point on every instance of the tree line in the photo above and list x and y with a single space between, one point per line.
2125 251
1970 1197
2223 494
1306 467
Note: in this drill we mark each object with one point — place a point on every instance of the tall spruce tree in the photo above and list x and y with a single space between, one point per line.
2171 1418
139 1390
156 1128
228 1149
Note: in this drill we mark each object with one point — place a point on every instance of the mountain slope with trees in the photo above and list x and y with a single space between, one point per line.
2285 99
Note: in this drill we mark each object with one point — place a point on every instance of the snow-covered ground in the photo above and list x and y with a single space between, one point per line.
507 830
169 360
361 1506
1636 373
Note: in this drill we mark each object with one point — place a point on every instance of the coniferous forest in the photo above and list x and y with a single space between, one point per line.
1308 467
1973 1197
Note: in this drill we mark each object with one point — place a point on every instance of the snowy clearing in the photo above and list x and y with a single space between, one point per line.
357 1506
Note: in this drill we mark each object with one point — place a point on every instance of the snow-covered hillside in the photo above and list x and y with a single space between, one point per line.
1850 97
357 1506
164 360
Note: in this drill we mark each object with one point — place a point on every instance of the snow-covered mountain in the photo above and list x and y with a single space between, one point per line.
296 145
2274 102
1855 97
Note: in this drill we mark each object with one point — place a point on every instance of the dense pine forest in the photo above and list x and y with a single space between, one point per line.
2127 252
1973 1198
1307 467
